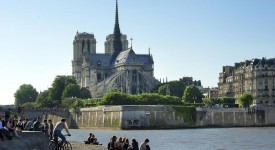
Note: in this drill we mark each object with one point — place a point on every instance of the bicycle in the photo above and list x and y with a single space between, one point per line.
53 145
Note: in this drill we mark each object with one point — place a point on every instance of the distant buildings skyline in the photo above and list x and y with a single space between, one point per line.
255 76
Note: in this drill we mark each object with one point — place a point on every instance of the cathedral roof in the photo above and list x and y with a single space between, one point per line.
126 57
100 60
130 57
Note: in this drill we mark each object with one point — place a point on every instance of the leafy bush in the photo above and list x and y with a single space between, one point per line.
29 105
116 98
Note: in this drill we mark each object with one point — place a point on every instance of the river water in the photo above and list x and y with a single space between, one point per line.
255 138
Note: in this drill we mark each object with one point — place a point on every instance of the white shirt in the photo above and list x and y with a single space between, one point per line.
143 146
59 126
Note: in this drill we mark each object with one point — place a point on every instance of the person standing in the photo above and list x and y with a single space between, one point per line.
46 127
51 129
57 131
144 145
37 125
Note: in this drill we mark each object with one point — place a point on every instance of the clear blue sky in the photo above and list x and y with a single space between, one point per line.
187 37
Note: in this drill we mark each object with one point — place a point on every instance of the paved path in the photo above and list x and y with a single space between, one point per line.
82 146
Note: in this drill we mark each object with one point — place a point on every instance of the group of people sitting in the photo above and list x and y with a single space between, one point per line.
123 144
9 129
13 126
91 139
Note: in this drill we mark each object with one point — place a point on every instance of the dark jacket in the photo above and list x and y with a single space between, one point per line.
135 146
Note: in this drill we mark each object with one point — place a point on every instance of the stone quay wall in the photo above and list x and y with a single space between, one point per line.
128 117
156 117
233 117
160 117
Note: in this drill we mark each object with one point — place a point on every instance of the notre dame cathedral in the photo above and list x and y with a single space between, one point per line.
119 68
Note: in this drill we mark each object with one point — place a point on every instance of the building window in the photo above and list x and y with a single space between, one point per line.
99 77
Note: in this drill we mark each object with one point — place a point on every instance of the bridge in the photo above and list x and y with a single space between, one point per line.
36 112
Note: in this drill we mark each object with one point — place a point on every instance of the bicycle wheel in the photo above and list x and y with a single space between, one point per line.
67 146
52 146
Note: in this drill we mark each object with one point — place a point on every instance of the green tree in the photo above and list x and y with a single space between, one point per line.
162 89
78 103
192 94
85 93
245 100
117 98
208 101
44 100
150 99
29 105
71 90
58 85
25 93
176 88
68 102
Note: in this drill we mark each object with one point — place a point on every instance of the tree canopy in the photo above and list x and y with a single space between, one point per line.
85 93
63 87
58 86
176 88
71 90
117 98
245 100
67 94
192 94
25 93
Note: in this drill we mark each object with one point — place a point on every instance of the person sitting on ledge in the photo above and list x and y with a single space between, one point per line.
91 139
11 126
144 145
4 131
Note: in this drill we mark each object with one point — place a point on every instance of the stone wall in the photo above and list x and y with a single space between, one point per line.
232 117
127 117
30 140
159 116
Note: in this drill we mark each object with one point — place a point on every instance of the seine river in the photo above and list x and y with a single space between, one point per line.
255 138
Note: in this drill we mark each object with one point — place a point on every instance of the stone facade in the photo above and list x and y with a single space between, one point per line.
256 76
119 68
210 92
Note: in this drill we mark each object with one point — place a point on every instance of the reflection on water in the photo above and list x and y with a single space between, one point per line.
195 139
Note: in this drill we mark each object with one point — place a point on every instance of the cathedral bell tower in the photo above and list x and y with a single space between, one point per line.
84 44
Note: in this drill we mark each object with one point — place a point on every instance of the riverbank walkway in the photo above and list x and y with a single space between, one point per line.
35 140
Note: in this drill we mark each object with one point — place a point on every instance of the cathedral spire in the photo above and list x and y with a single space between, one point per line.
117 45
